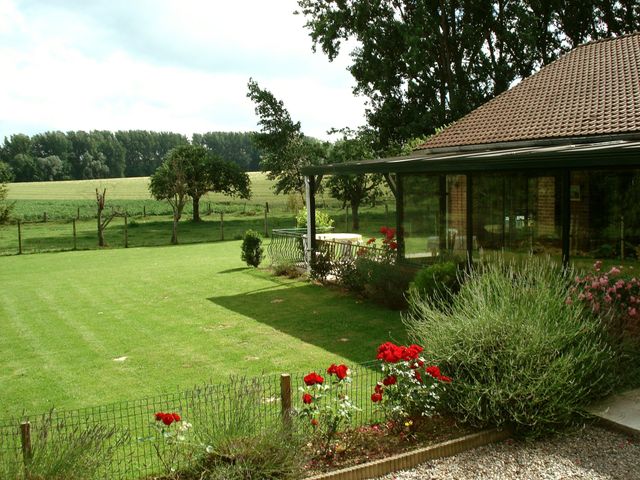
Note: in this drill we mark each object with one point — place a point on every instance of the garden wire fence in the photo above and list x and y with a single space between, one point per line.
125 436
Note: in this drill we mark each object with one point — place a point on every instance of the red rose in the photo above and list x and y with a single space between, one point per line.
342 371
378 388
376 397
307 398
167 419
418 376
176 417
312 379
383 230
390 380
314 422
159 416
332 369
445 379
433 371
370 241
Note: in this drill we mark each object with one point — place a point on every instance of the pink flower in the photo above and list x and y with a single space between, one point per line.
597 266
632 312
568 301
614 271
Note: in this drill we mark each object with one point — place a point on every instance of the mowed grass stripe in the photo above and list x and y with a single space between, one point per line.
181 315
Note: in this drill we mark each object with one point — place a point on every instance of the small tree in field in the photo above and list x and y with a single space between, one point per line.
169 182
103 222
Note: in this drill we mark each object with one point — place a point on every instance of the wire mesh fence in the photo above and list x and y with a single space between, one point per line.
125 438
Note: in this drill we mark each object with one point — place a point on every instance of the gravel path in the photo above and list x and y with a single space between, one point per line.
592 453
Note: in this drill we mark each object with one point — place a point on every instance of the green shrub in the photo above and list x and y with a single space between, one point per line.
61 452
252 250
323 220
519 354
438 280
287 269
349 276
321 264
385 283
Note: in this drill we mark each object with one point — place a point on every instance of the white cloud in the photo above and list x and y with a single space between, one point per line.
164 65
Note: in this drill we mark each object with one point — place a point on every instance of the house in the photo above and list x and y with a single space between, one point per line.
551 166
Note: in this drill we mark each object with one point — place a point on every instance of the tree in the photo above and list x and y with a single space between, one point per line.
6 176
103 222
423 64
236 147
354 189
170 182
285 149
208 173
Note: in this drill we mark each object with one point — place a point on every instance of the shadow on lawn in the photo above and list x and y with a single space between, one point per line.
321 316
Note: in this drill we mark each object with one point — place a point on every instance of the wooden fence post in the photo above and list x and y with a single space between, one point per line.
19 237
221 225
208 208
78 214
266 219
75 241
44 217
285 398
25 438
126 230
144 211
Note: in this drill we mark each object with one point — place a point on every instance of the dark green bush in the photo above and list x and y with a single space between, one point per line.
519 355
321 265
438 280
252 250
384 282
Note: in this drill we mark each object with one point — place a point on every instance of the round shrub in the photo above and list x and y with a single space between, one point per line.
440 279
520 354
323 220
252 250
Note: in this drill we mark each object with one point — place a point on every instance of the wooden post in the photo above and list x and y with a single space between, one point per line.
25 437
78 214
266 220
144 211
221 225
44 217
19 238
126 230
75 244
386 214
208 208
285 398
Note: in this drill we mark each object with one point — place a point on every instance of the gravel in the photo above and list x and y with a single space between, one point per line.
590 453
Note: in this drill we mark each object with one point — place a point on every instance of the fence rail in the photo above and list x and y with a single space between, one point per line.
133 445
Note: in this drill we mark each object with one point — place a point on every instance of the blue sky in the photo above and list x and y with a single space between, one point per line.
172 65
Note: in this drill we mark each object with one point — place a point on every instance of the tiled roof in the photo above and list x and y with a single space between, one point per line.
592 90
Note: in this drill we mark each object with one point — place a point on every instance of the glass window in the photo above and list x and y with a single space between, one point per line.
517 213
434 216
605 216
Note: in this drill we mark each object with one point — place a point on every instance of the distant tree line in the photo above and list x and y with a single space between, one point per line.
79 155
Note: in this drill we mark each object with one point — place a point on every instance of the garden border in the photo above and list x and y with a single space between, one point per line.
415 457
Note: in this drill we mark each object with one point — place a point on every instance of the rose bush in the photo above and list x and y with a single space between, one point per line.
327 406
405 392
613 298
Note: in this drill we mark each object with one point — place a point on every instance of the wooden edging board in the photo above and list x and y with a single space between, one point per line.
407 460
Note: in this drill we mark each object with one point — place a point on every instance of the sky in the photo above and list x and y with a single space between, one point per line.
164 65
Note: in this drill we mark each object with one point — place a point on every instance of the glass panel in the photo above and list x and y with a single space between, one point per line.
605 216
517 214
434 216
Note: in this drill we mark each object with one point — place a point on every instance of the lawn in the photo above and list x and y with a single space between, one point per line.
90 327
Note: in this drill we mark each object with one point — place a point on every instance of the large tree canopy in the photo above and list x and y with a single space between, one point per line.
285 149
425 63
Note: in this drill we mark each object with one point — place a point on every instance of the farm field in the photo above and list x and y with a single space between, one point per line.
91 327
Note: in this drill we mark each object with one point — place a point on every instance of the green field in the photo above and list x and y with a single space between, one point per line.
180 315
149 220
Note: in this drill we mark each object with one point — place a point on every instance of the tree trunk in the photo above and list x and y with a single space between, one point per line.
100 229
196 209
355 217
174 233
